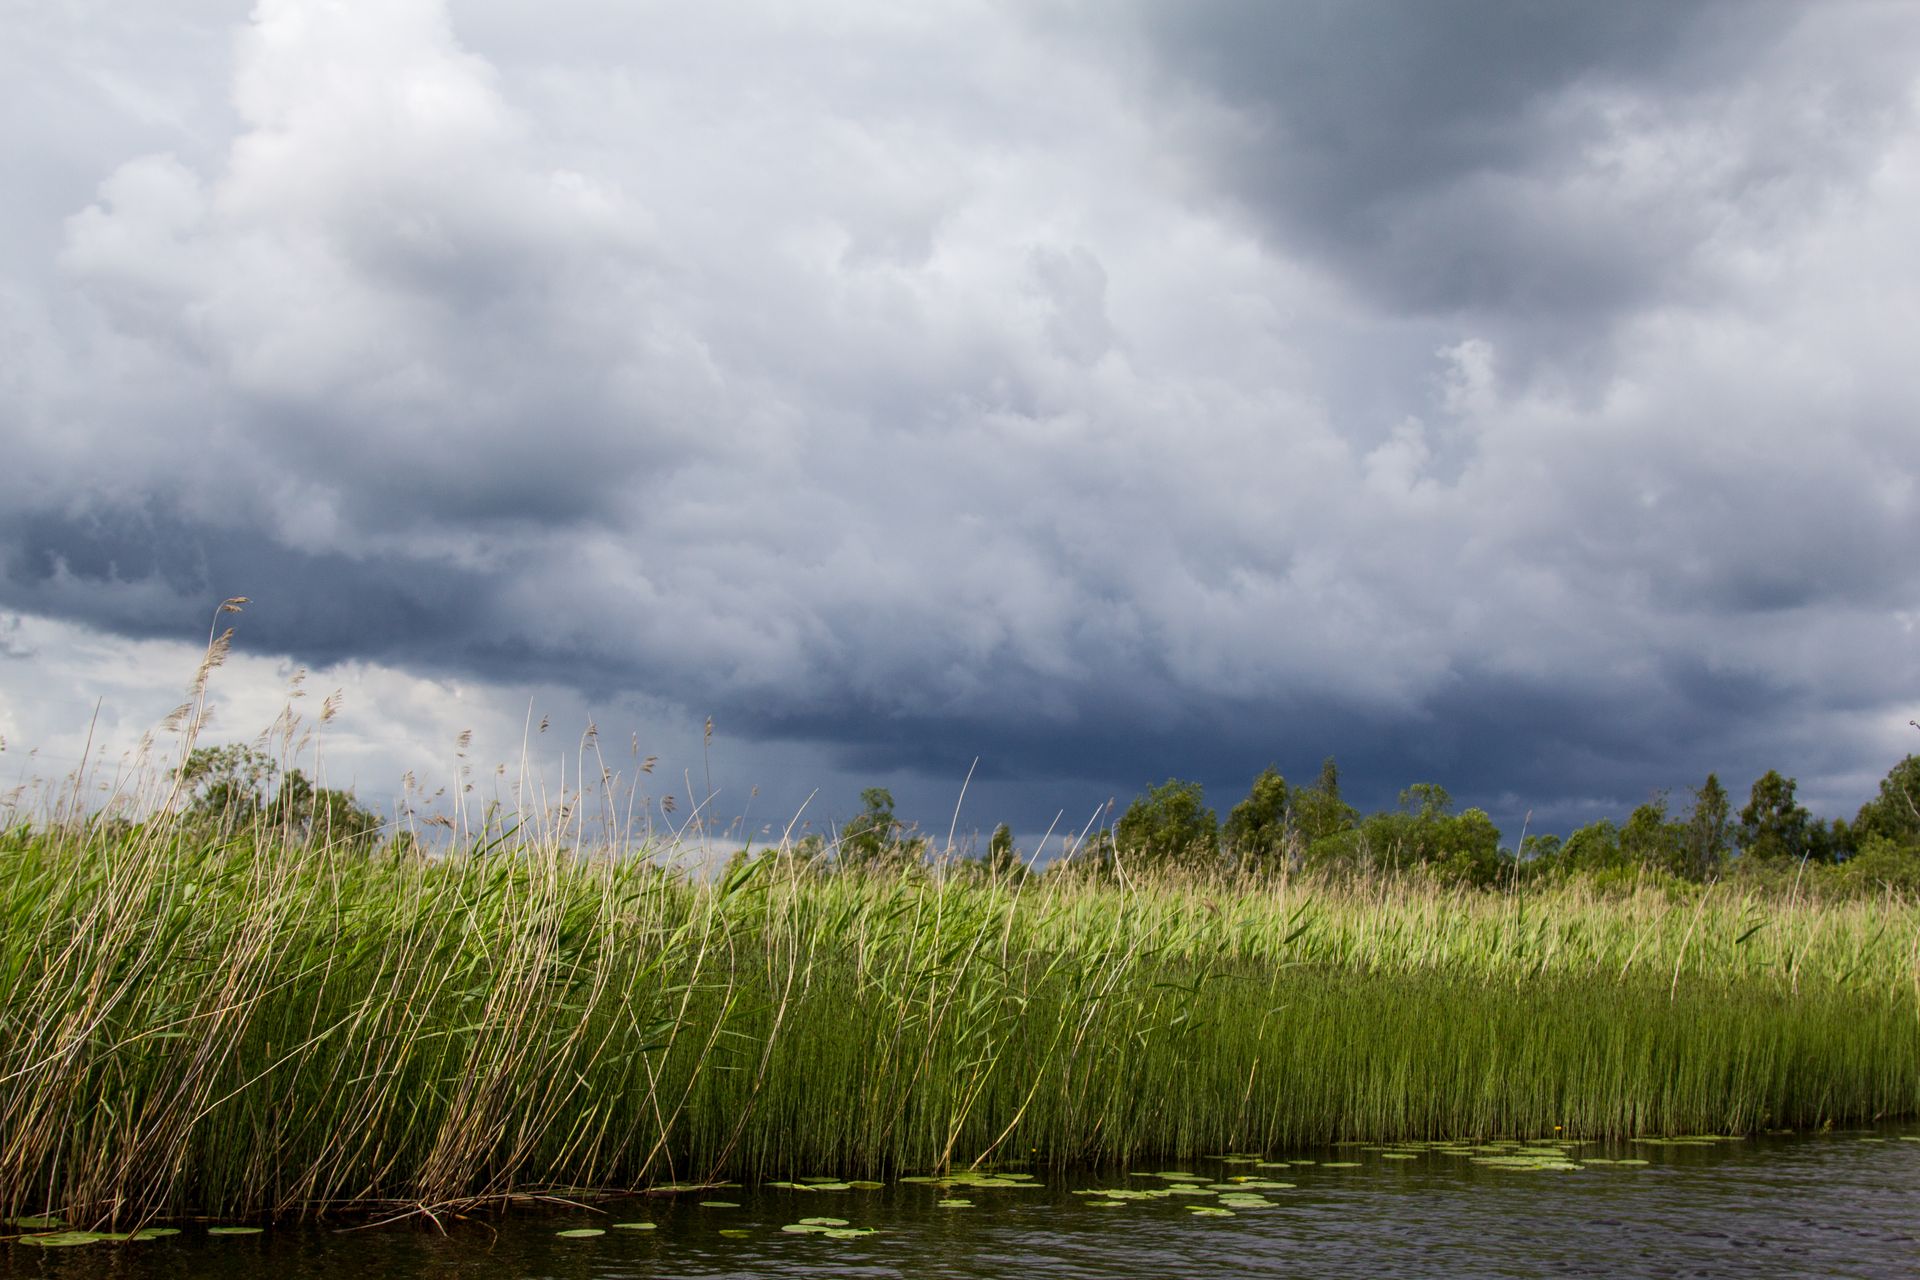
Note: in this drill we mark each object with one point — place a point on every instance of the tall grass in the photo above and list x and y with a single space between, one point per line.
257 1026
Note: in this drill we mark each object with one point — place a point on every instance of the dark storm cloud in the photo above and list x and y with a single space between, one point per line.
1496 154
144 572
1509 396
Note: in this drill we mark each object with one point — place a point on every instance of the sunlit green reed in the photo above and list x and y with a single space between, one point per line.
253 1026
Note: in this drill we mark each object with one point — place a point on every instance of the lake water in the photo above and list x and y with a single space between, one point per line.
1811 1205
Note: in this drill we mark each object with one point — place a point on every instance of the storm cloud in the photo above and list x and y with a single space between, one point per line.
1512 397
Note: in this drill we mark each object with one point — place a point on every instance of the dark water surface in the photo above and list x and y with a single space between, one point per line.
1815 1205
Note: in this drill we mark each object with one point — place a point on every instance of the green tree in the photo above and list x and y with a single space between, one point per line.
1170 827
1593 848
232 788
1774 827
322 815
228 784
1650 839
1318 811
876 837
1003 858
1259 830
1709 831
1893 815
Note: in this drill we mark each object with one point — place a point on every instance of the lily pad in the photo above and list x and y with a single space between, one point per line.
234 1231
144 1233
1208 1211
953 1204
823 1222
33 1222
635 1226
737 1233
846 1233
719 1204
60 1239
580 1233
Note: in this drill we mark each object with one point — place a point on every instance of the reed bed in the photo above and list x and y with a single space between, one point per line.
258 1027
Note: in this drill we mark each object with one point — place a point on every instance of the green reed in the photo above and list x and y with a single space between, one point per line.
254 1026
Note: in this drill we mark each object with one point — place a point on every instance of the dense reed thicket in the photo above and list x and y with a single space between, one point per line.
252 1026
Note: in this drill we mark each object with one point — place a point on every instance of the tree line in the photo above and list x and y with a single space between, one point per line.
1278 827
1286 827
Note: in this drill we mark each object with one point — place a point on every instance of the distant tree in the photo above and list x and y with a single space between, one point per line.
877 837
322 815
1464 849
1593 848
232 789
1650 840
1318 811
1773 827
228 784
1709 831
1003 859
1894 814
1422 835
1169 827
1090 859
1259 830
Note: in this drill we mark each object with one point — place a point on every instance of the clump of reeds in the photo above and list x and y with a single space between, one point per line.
255 1025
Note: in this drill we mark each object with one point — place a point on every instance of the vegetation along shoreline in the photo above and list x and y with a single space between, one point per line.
248 1024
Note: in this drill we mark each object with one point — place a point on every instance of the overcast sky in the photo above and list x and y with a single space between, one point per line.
1518 396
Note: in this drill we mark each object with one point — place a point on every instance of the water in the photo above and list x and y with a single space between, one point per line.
1820 1205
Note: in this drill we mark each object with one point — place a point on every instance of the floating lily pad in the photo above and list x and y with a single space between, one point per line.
864 1184
718 1204
61 1239
846 1233
1398 1155
635 1226
1106 1204
580 1233
144 1233
234 1231
953 1204
33 1223
737 1233
1341 1164
1208 1211
823 1222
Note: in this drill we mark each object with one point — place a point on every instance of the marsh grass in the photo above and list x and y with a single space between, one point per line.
253 1026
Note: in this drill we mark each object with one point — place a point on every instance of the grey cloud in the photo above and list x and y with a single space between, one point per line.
1507 157
895 432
